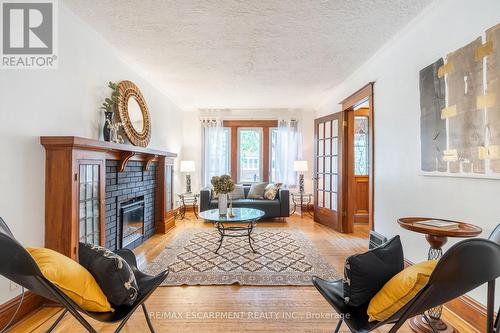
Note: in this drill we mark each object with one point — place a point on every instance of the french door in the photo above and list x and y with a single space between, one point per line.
328 171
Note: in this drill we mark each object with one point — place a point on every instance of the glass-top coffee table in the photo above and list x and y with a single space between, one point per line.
246 217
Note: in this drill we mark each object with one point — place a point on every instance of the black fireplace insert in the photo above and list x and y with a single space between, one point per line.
132 221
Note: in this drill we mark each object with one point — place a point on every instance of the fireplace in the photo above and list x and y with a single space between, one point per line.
132 221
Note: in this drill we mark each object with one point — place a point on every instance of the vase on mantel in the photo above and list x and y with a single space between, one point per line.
106 130
222 204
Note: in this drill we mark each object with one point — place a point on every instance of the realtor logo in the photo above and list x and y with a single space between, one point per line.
28 34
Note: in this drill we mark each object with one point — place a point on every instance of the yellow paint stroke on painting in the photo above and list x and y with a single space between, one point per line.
450 111
483 51
489 153
450 155
446 69
486 101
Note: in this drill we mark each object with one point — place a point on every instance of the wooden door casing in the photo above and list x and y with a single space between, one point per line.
329 165
348 104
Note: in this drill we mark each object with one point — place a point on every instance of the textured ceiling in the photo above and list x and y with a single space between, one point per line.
247 54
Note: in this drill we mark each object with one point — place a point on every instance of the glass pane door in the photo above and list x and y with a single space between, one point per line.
328 140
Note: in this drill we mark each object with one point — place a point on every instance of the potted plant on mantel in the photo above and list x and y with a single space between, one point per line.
223 185
109 106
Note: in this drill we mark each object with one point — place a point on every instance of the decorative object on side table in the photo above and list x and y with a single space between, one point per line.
223 185
188 200
436 236
187 167
303 200
300 167
134 114
109 106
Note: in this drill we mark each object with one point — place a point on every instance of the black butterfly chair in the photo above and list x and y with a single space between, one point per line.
464 267
494 237
23 270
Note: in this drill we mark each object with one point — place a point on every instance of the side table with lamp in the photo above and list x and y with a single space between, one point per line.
188 199
301 199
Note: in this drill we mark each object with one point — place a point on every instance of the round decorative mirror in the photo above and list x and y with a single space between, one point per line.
134 114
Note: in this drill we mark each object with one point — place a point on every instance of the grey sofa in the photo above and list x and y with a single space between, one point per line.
279 207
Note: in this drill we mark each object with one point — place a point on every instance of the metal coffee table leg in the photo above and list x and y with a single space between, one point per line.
250 239
240 233
221 232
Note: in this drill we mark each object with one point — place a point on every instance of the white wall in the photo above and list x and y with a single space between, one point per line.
62 102
192 148
399 189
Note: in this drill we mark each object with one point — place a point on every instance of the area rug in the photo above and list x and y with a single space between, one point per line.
283 258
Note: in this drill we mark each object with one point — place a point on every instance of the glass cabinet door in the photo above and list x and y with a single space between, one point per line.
169 177
90 202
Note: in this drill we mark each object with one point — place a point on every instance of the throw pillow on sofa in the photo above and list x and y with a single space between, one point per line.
271 191
72 278
257 191
366 273
238 193
112 272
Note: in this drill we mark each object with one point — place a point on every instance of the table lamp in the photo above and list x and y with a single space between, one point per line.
300 167
187 167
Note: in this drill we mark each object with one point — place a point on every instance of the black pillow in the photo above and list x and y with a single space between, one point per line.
366 273
112 273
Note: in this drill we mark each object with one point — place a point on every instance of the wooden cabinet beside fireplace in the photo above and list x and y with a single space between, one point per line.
75 189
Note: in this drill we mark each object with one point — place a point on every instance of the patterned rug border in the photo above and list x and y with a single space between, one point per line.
169 255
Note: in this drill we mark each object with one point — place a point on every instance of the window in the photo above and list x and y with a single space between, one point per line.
361 146
249 155
249 150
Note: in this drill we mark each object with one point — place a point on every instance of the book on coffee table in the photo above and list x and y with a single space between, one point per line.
439 224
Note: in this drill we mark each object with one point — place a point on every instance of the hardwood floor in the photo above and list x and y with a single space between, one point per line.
234 308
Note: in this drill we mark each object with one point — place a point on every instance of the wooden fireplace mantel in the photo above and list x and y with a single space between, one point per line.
114 151
65 158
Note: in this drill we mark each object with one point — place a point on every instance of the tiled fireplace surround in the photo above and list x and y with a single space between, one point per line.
133 182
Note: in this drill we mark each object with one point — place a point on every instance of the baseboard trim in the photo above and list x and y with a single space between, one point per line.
470 311
30 303
465 307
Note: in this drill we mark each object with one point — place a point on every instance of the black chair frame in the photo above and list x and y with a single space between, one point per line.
493 327
23 270
464 267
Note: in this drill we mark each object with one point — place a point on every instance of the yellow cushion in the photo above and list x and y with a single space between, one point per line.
72 278
400 290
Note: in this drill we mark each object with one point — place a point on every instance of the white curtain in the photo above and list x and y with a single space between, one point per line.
288 150
215 150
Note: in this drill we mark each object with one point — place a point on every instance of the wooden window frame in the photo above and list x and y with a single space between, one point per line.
266 125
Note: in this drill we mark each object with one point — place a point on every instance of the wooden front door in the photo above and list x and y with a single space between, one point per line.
328 168
358 167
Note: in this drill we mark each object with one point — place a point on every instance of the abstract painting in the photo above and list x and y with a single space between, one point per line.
460 111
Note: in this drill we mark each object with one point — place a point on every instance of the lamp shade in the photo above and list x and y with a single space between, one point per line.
300 166
187 166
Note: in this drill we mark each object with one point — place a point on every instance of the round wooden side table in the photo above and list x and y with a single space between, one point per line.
436 237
